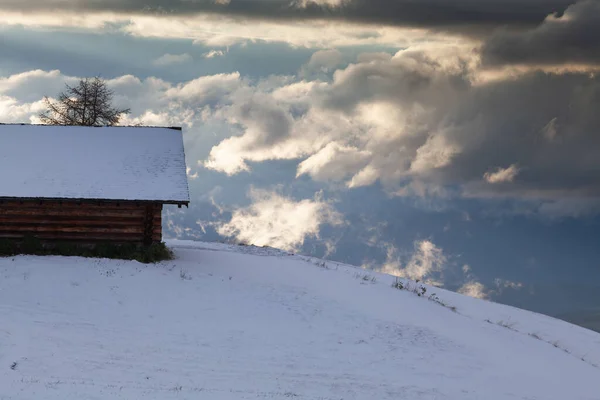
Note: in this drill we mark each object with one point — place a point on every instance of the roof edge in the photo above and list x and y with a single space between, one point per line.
98 200
177 128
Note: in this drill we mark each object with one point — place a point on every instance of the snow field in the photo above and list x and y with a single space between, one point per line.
224 322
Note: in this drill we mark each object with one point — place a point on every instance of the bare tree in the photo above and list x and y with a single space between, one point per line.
88 103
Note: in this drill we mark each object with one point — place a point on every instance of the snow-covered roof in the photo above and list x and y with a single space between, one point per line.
80 162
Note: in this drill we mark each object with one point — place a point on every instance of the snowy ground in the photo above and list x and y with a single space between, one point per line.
224 322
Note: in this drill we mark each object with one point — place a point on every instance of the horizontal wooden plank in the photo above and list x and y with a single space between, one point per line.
77 213
66 229
71 204
74 205
81 206
78 237
71 228
70 220
107 223
78 209
67 206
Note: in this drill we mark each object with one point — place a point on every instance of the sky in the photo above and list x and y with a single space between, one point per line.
451 141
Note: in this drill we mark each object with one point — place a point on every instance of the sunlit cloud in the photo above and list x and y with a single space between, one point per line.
328 3
214 54
219 30
435 153
12 111
278 221
425 264
474 289
502 175
190 174
321 166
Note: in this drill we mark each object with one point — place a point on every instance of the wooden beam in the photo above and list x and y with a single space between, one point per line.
24 220
66 229
76 213
79 205
148 224
84 237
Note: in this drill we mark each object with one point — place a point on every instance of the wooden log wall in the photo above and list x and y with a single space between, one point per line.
123 222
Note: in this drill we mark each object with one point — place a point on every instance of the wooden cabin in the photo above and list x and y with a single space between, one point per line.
89 184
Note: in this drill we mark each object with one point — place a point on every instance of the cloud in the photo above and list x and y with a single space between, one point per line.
533 32
417 188
265 125
567 38
172 59
425 264
190 174
34 85
422 124
332 4
355 110
550 131
11 111
428 263
435 153
214 54
474 289
569 208
21 95
448 13
502 284
322 167
558 35
152 100
502 175
427 258
324 60
471 285
278 221
221 30
210 89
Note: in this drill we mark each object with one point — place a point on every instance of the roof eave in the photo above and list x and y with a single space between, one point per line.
87 200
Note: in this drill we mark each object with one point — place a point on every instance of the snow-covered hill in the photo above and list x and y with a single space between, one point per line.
225 322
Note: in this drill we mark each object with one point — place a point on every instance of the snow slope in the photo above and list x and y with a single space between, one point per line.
224 322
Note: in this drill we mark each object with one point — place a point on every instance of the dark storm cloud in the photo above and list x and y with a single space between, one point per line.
426 13
571 38
545 125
